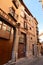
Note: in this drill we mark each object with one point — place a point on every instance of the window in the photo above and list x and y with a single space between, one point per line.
4 26
16 3
16 16
30 28
25 25
13 14
12 11
29 18
22 38
8 29
31 38
22 14
25 16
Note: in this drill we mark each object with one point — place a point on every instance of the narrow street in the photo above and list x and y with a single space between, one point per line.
21 32
34 61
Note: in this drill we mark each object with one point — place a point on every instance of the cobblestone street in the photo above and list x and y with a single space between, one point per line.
33 61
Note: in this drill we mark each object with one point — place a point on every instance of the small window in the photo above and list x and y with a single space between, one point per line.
8 29
31 38
25 25
4 28
13 14
12 11
16 3
16 16
22 14
25 16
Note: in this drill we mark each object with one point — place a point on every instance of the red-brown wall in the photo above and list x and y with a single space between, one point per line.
5 50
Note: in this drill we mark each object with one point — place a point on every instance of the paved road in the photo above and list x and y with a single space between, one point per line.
38 61
33 61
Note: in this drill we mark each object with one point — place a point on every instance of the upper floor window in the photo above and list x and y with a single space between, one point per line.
12 11
16 3
4 26
22 13
13 14
31 38
25 25
30 28
25 17
22 38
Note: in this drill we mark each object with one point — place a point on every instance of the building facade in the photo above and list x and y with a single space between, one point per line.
18 31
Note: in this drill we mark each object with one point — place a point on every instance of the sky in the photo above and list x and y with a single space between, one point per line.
41 38
35 8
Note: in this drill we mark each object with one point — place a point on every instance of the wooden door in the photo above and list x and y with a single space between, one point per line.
21 50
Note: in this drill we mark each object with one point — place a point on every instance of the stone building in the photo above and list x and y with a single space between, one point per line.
18 31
